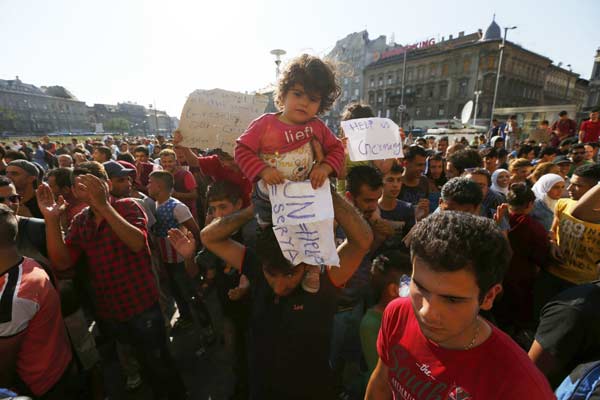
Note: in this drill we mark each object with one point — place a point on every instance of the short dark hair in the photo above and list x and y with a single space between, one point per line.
443 139
502 153
363 175
126 157
524 150
9 226
415 150
462 190
547 151
357 110
62 176
105 150
519 195
142 149
315 75
577 146
588 171
545 122
467 158
269 252
92 168
223 190
388 267
396 169
4 181
15 155
481 171
488 152
165 177
562 113
452 241
595 110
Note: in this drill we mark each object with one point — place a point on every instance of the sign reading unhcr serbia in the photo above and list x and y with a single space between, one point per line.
403 49
216 118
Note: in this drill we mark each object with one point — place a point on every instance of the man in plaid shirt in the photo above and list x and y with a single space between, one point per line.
112 234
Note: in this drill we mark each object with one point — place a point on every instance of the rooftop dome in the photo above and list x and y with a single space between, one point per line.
493 32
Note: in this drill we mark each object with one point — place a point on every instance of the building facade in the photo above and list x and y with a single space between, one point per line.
441 77
351 55
27 109
594 86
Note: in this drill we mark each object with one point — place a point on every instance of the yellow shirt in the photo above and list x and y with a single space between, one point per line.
579 243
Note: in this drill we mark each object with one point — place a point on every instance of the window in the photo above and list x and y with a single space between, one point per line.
345 95
409 90
417 111
378 113
466 65
443 90
419 91
430 91
491 61
387 113
380 81
371 98
433 70
462 87
428 112
356 92
372 83
420 73
441 110
398 91
357 79
380 99
445 70
390 79
345 81
409 74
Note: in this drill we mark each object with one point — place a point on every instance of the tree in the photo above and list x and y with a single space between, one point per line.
117 125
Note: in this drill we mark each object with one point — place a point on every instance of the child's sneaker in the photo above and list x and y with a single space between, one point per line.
311 281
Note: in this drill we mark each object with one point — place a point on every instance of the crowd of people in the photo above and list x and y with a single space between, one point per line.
467 270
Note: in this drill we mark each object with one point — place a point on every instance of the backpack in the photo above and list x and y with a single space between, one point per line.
581 384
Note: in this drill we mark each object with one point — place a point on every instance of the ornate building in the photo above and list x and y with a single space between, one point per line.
441 77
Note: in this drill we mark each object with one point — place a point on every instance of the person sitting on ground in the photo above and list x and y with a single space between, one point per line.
426 339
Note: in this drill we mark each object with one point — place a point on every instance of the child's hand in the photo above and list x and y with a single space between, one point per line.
318 175
271 176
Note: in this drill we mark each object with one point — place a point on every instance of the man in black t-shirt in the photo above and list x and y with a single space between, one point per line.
415 185
290 329
569 332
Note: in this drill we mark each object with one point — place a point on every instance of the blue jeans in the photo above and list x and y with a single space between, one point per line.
146 333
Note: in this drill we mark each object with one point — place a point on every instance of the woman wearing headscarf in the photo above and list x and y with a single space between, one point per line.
500 181
548 189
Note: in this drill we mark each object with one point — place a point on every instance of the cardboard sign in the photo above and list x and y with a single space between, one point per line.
216 118
372 139
303 222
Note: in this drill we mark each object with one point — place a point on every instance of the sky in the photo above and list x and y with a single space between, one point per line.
157 52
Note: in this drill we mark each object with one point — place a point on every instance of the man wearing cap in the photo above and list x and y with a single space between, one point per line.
564 166
24 175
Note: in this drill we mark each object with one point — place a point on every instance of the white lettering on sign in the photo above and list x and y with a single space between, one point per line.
217 117
372 139
303 222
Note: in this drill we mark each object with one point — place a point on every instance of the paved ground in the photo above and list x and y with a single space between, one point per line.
207 376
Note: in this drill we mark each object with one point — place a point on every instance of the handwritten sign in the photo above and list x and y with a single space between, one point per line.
311 243
297 202
215 118
372 139
303 222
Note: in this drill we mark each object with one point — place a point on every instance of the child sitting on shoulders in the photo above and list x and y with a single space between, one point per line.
279 146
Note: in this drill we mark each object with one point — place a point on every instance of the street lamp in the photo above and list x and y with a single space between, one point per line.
498 73
477 93
568 82
402 107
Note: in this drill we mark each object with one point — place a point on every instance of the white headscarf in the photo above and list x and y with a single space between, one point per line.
543 186
495 186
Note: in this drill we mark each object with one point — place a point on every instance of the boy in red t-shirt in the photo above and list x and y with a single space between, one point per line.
280 146
434 344
589 131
